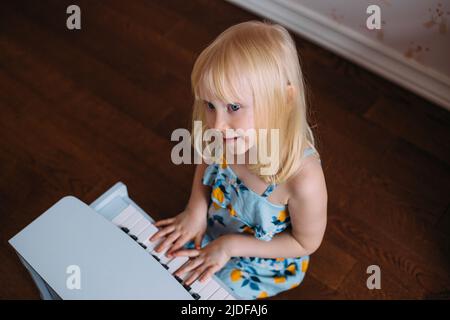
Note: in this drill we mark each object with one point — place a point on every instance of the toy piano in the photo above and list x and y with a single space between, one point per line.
108 241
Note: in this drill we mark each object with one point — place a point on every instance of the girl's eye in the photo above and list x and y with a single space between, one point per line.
234 106
210 106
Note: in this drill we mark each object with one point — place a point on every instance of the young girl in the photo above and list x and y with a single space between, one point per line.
260 229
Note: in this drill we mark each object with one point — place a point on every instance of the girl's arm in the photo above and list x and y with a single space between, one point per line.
282 245
308 212
200 193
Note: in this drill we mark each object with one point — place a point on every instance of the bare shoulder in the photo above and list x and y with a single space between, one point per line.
308 200
309 181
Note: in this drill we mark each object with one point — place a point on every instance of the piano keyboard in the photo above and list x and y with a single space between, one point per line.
140 229
109 242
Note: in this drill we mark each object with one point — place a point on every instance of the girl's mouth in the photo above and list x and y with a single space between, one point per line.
229 139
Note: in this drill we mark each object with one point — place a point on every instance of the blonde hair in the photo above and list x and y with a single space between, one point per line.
260 56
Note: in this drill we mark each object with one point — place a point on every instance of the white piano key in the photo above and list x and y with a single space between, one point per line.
132 220
144 236
219 294
139 227
197 285
176 263
125 214
162 254
209 290
185 276
152 245
162 257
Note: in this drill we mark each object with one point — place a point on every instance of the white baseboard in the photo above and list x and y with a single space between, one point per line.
355 47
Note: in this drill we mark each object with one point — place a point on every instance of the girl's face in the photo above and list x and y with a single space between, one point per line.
228 117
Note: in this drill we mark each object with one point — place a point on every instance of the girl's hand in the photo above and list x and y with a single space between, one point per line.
179 230
207 261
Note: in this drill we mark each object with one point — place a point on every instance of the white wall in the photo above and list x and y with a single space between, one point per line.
412 48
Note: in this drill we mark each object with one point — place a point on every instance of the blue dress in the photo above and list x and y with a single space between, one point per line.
234 208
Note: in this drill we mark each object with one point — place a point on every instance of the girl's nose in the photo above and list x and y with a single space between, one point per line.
220 123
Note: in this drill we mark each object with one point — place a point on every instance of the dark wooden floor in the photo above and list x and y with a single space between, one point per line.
82 110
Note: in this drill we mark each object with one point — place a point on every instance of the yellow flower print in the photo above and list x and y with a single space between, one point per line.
305 265
223 165
281 218
236 275
216 206
231 210
263 294
279 259
282 215
248 230
280 279
291 268
218 194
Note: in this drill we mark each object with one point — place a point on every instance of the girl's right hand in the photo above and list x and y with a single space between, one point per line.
179 230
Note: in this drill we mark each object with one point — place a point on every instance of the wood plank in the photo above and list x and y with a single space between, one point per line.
355 286
143 77
330 264
123 139
424 126
309 289
409 270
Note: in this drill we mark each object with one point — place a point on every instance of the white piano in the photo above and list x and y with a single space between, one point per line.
108 242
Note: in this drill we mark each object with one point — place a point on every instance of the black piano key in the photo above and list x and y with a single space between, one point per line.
196 296
157 259
179 279
132 236
165 266
126 230
188 288
142 245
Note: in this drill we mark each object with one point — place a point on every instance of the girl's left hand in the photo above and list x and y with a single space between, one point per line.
207 261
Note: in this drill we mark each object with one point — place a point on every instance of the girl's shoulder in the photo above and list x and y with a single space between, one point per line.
309 180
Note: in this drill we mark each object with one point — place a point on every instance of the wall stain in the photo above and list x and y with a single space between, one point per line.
416 52
438 19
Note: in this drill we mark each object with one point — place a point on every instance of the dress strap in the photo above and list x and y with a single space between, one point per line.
308 151
269 190
271 187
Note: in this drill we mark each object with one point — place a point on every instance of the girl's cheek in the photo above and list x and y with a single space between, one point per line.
247 119
209 120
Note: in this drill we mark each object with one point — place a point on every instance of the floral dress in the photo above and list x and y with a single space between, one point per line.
234 208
